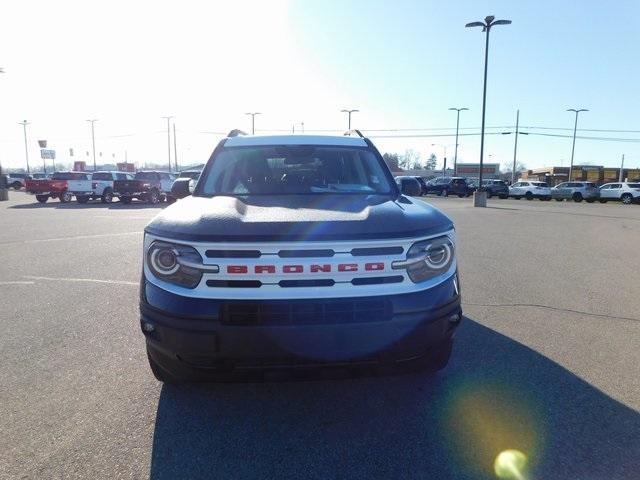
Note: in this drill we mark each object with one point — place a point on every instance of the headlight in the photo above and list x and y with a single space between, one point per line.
178 264
428 259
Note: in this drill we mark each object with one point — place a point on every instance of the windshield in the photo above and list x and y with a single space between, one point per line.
146 176
291 170
633 185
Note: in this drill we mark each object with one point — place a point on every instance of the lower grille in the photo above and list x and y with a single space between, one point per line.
307 312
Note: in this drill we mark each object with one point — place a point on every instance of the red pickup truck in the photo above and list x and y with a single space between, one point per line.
62 185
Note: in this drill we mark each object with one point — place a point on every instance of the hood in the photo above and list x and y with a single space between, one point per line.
298 217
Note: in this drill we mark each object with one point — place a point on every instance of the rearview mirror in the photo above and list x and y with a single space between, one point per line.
180 188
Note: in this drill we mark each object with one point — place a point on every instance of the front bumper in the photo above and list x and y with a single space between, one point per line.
190 336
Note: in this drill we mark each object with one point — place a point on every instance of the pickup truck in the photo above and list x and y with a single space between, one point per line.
62 185
297 252
18 180
102 184
149 186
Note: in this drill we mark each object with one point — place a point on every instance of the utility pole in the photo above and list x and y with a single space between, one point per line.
455 156
169 139
24 124
575 129
349 112
621 176
175 146
93 142
515 149
253 121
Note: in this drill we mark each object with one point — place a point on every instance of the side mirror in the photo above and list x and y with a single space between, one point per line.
180 188
410 187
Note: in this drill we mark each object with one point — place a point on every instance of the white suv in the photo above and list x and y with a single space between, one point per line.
530 190
626 192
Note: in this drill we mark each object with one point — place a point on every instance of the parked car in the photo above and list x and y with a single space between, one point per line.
576 191
241 274
420 180
450 186
62 185
499 188
18 180
530 190
626 192
102 184
148 186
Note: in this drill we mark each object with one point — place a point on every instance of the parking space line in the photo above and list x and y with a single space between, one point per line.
83 280
76 237
17 283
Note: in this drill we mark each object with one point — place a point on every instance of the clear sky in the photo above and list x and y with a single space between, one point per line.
401 63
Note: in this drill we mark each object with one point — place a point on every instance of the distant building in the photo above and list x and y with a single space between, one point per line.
489 170
590 173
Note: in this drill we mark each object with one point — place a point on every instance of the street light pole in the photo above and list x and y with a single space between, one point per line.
175 146
486 27
455 156
515 149
575 129
169 138
93 142
24 124
253 121
621 176
349 112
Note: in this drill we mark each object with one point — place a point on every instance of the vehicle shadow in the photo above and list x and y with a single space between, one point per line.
117 205
496 394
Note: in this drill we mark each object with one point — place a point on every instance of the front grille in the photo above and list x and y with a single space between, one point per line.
307 312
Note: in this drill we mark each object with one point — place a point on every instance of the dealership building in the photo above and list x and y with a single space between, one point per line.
589 173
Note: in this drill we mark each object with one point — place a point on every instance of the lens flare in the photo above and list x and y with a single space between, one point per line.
510 464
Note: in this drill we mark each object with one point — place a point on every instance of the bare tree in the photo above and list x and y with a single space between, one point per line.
410 159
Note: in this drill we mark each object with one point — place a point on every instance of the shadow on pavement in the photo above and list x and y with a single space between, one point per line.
496 394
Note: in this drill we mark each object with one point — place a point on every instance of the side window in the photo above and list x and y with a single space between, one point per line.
616 185
121 176
605 187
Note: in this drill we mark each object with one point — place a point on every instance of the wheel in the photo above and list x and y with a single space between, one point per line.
153 197
591 200
626 198
603 200
504 197
489 194
528 196
577 197
558 199
82 198
65 197
445 192
158 372
461 195
16 185
125 200
42 198
107 196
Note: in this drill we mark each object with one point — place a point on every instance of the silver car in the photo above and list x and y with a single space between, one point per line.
576 191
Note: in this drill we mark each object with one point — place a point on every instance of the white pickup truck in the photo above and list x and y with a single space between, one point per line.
102 184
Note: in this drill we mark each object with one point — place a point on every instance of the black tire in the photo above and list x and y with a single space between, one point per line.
125 200
65 197
16 185
82 199
153 197
577 197
461 195
528 196
445 192
603 200
158 372
591 200
627 198
107 196
489 194
504 197
42 198
559 199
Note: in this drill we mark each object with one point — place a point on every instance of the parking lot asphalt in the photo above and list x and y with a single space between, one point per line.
547 362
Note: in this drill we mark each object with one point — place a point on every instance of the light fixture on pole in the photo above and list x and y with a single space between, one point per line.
253 121
575 129
168 118
349 112
24 124
455 155
480 200
93 142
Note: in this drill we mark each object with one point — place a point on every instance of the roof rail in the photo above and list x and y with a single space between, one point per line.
352 132
235 133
